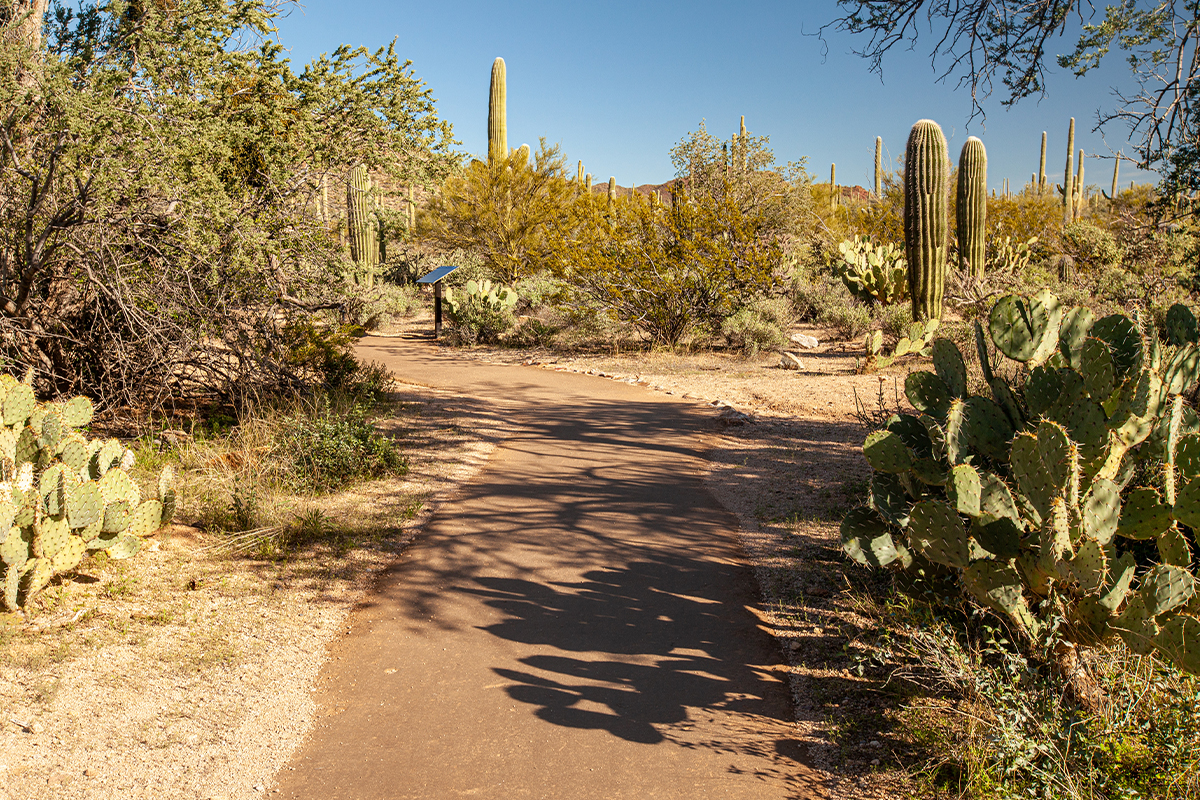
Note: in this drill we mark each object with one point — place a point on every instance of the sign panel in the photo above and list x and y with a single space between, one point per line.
436 275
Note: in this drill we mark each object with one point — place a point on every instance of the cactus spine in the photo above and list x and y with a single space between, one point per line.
926 204
362 226
498 114
1041 176
878 166
1068 189
972 206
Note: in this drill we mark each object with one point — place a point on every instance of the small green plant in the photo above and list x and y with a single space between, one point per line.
920 334
1011 257
1092 247
760 326
330 449
874 273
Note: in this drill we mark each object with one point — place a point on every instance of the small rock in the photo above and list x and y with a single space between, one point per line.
88 773
874 743
816 591
874 762
804 340
259 788
794 645
790 361
731 417
36 728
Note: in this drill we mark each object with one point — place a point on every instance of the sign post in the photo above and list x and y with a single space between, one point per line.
435 278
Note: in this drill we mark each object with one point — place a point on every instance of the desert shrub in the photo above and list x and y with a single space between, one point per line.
760 326
1022 217
895 320
382 304
332 446
1016 735
846 317
1093 248
542 289
676 270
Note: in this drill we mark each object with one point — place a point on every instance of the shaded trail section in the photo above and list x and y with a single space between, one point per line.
577 623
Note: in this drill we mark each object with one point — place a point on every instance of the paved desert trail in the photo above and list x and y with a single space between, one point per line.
576 624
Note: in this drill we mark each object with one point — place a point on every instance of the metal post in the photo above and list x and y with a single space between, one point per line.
437 310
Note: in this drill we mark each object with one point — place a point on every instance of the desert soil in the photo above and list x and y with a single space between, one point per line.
188 672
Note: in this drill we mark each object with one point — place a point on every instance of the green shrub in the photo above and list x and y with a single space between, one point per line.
762 326
326 450
895 320
849 319
1092 247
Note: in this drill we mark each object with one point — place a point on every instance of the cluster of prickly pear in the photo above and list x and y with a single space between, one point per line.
920 334
874 273
62 495
1027 494
495 296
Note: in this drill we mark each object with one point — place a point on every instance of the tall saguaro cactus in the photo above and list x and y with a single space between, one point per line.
878 167
498 114
362 227
1116 175
1079 187
1069 177
926 206
972 206
1041 176
612 191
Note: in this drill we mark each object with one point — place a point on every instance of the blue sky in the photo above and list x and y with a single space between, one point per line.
618 84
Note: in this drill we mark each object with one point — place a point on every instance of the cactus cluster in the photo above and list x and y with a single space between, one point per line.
1028 494
874 273
64 496
484 292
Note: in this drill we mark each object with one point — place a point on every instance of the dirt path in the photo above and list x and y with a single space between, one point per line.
578 623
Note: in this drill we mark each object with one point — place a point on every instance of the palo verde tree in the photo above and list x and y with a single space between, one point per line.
159 174
510 210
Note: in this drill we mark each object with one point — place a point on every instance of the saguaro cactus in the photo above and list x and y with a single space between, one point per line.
1116 175
362 226
612 191
972 206
1068 177
926 205
498 113
1041 176
878 166
1079 188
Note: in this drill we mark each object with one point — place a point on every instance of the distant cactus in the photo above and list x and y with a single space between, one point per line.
1068 178
579 174
972 206
1041 176
498 114
926 228
363 227
1116 175
878 166
1079 184
612 191
588 182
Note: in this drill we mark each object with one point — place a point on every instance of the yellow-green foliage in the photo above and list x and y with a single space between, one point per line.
671 269
514 212
1023 216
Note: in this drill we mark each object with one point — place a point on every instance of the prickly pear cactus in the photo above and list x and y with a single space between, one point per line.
926 228
874 273
62 495
1027 494
971 210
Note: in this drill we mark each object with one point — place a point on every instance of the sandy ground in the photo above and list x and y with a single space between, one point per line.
186 673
